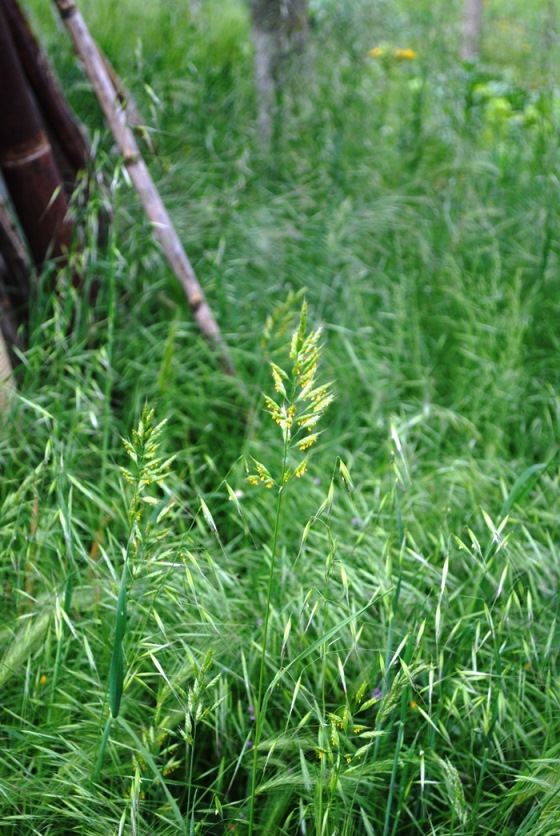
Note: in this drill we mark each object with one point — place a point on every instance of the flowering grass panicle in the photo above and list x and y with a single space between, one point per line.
148 469
298 406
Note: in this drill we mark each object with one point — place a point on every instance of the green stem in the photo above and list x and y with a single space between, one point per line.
107 393
260 716
398 747
54 683
190 762
102 747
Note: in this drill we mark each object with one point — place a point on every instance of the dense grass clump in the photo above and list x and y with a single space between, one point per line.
215 626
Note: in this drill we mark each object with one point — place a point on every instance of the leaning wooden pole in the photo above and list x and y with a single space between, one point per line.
133 115
164 230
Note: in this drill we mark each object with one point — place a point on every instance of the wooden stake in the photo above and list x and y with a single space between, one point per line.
133 115
6 379
163 229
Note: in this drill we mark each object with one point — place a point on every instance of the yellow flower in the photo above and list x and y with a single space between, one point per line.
405 54
300 469
308 442
43 679
376 52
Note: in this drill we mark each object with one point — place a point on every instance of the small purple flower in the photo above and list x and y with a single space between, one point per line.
356 522
252 715
260 622
249 744
316 481
376 694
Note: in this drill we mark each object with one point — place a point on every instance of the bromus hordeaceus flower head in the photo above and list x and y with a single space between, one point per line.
147 468
297 407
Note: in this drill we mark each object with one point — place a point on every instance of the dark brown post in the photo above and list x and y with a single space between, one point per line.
17 273
26 159
53 105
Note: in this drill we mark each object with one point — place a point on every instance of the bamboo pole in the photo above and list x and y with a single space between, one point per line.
133 115
163 228
39 73
30 172
19 275
15 273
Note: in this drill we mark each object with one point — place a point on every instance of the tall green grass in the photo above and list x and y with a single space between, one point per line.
407 681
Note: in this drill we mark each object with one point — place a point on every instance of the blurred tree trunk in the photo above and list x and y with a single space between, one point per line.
550 37
280 30
472 30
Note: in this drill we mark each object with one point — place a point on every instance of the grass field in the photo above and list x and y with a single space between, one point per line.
221 638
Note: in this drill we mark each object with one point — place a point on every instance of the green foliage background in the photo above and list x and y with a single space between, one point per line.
413 651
